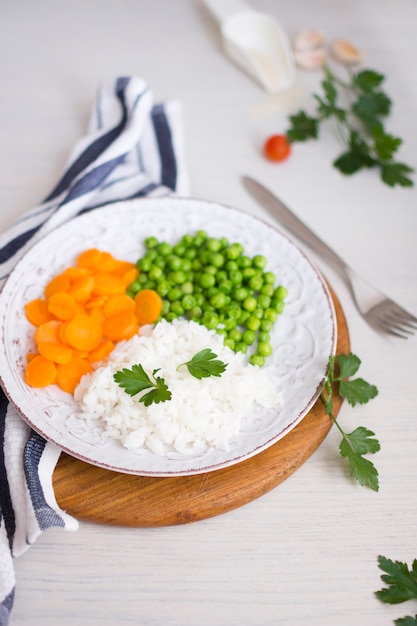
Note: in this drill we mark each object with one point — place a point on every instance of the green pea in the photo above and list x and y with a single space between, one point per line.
263 336
151 242
269 278
270 314
259 261
248 273
264 348
234 251
266 326
166 305
244 261
213 244
144 264
135 286
187 287
229 323
171 316
256 282
218 300
164 249
187 302
253 323
155 273
231 266
225 285
210 320
179 249
217 259
195 313
235 335
249 304
240 294
281 293
177 308
267 290
257 359
264 301
241 346
190 254
249 337
229 343
278 305
207 280
163 287
236 277
174 294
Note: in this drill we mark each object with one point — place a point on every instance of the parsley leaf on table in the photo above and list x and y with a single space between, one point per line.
205 364
361 441
402 585
135 380
359 119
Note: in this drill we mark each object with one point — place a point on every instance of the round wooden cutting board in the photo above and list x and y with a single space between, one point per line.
102 496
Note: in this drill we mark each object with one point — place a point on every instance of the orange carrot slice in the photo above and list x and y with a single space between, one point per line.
120 327
69 375
107 285
40 372
48 331
54 351
62 305
81 289
148 306
37 312
101 352
59 283
120 303
83 333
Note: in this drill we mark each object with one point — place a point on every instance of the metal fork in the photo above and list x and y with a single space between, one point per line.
380 312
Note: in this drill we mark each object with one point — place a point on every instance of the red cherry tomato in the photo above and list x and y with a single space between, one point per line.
277 148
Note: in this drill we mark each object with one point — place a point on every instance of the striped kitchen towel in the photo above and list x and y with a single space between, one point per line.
132 148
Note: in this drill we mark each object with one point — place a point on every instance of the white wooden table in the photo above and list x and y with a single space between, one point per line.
305 553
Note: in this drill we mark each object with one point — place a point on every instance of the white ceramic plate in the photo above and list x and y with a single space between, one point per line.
303 337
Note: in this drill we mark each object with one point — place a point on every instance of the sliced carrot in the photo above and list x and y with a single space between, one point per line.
40 372
68 376
120 303
88 258
55 351
97 315
123 267
59 283
62 305
130 276
75 273
30 356
107 285
120 327
101 352
95 302
82 288
148 306
83 333
37 311
48 332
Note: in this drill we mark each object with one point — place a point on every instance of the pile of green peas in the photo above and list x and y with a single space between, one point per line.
214 283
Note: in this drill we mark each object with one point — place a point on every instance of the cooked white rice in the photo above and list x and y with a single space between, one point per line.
201 413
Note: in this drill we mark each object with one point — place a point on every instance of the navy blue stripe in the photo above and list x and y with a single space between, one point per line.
93 179
166 150
13 246
138 194
96 148
6 506
6 608
45 516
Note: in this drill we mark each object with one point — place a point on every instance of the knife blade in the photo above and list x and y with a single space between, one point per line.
291 222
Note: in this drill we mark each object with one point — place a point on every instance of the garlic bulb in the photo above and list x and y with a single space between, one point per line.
345 52
310 49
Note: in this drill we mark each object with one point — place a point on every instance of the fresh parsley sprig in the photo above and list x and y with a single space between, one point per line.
360 121
361 441
402 585
204 364
135 380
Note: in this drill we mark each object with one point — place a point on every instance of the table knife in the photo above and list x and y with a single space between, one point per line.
291 222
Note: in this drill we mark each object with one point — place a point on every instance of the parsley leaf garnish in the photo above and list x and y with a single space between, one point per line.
359 108
361 441
401 585
135 380
204 364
